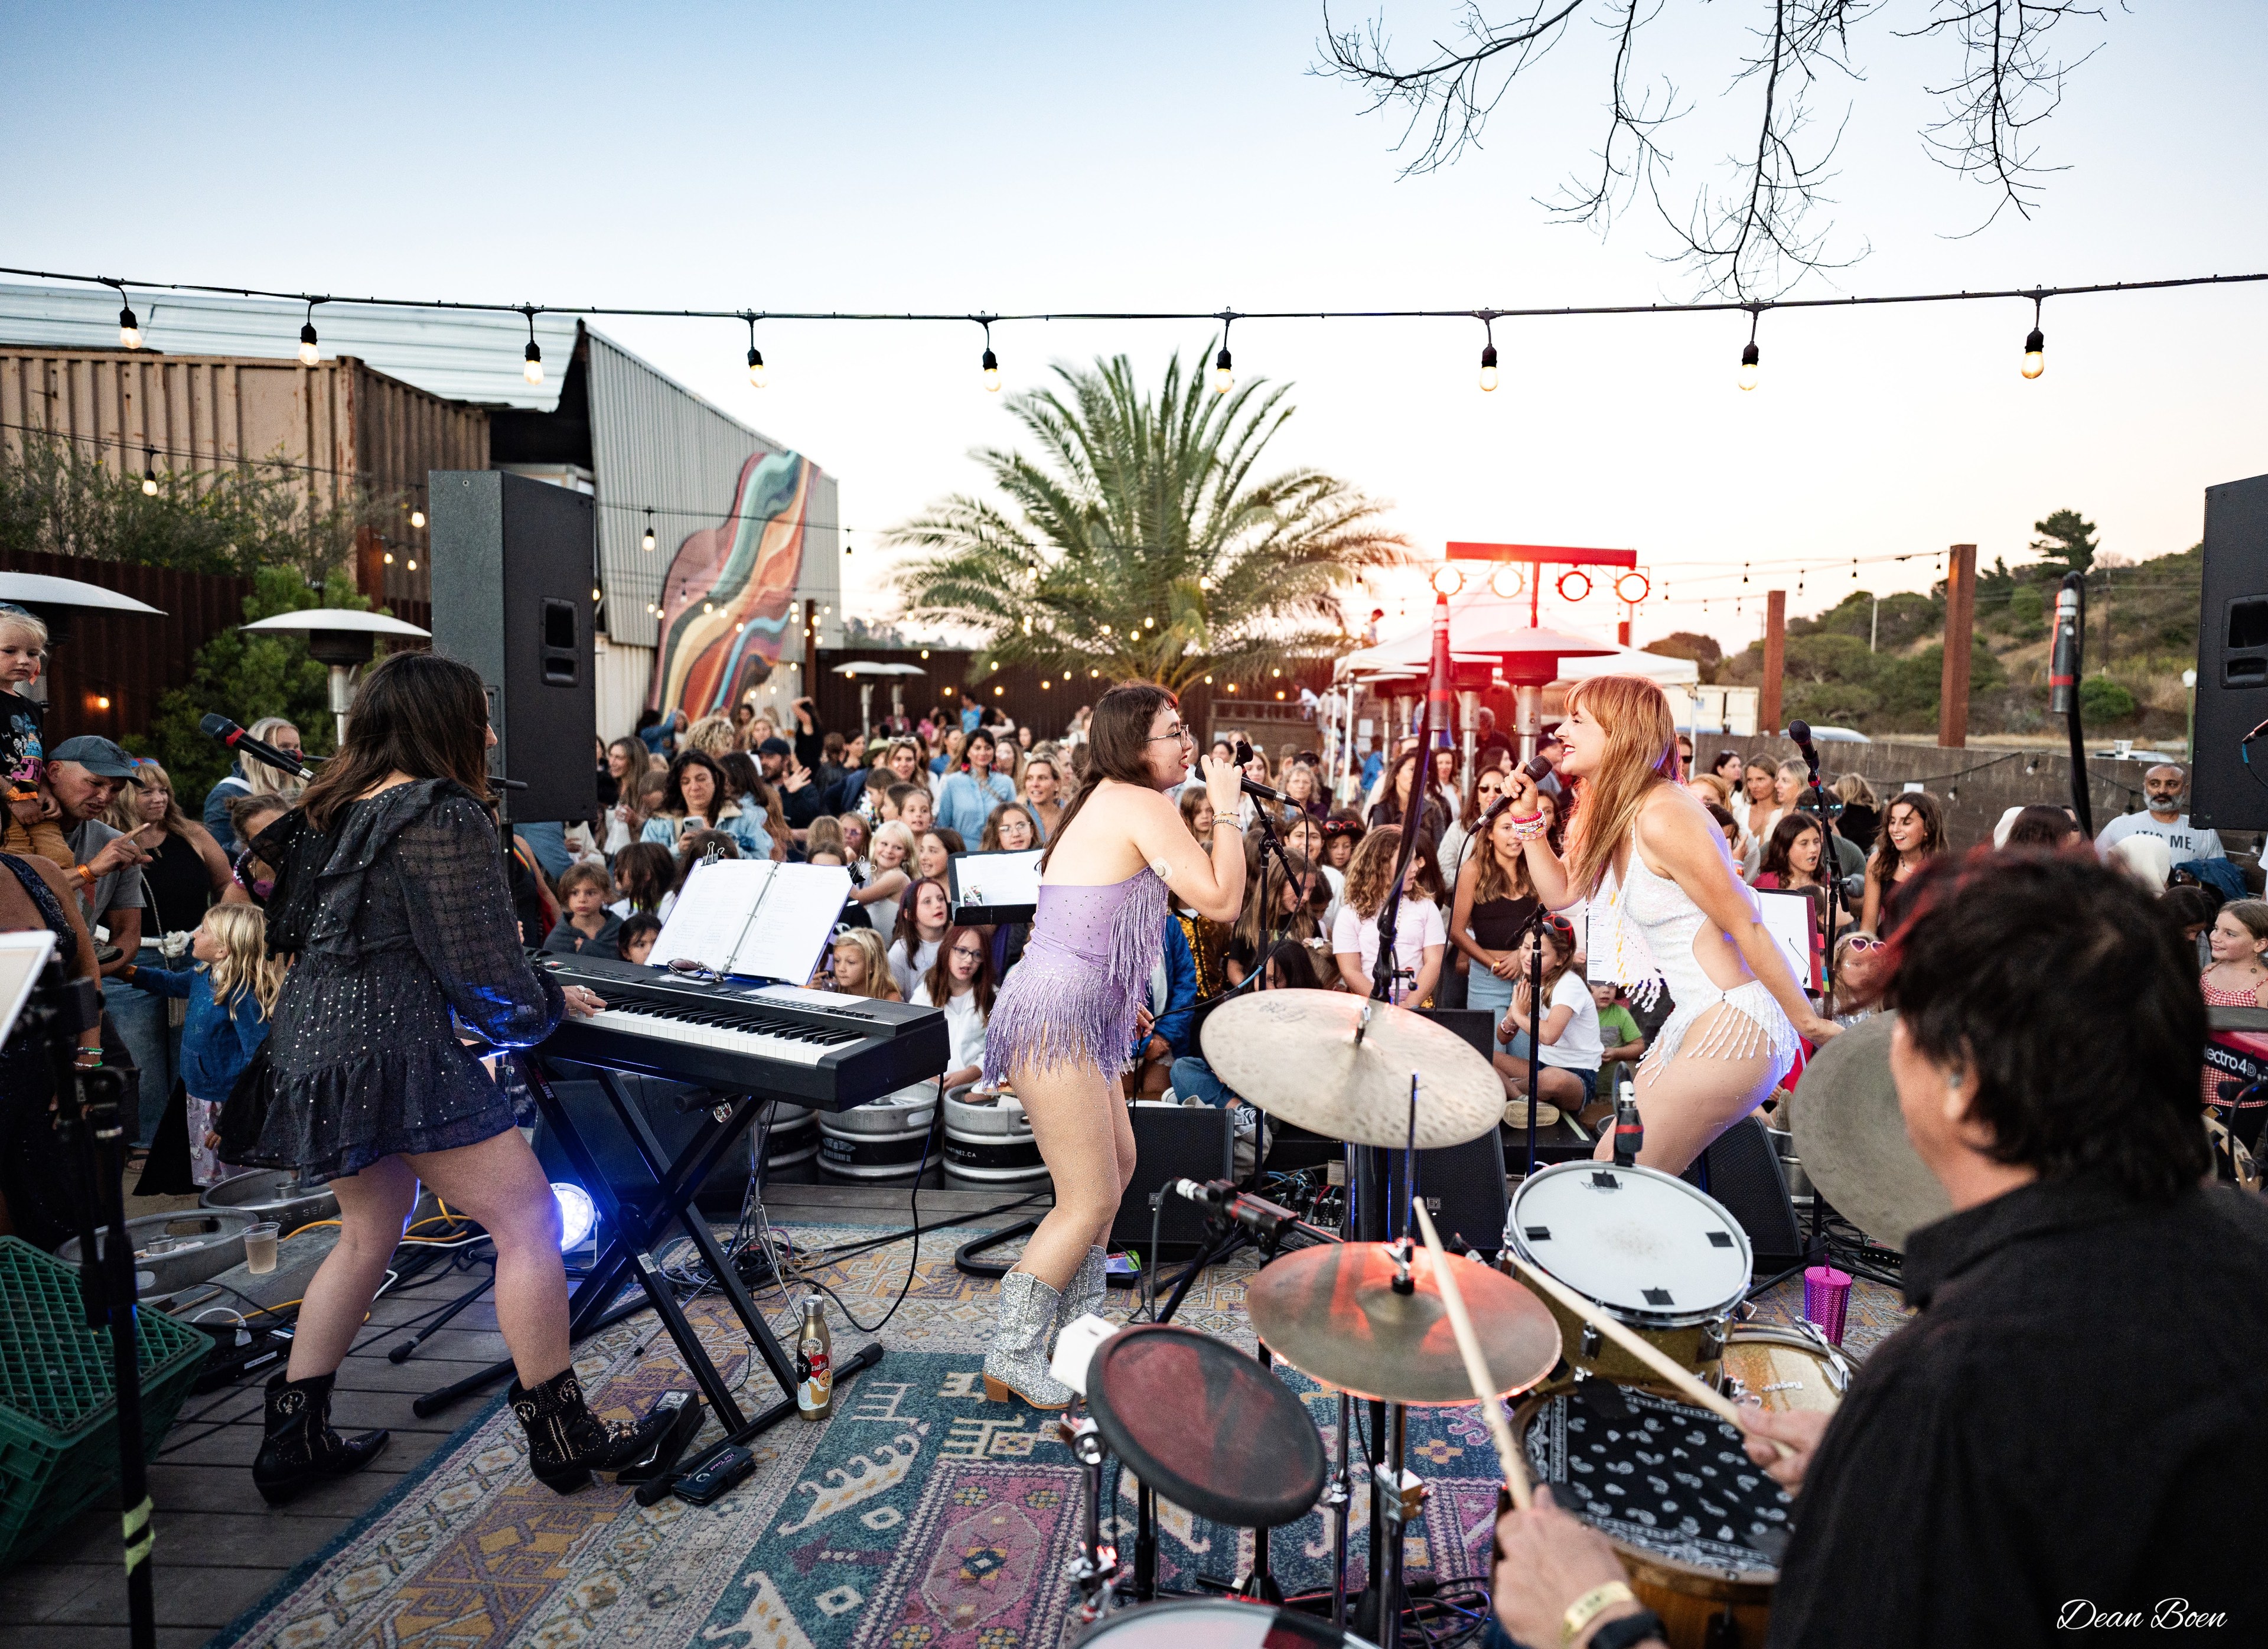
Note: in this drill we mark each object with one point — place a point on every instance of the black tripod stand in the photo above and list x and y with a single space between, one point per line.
90 1119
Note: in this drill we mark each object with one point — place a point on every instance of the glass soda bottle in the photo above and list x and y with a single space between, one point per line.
814 1363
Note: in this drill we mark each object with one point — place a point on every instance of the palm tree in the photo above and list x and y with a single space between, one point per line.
1138 541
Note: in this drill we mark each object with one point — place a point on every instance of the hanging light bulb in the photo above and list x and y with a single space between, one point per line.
1224 369
646 543
533 370
413 563
596 595
130 329
1748 355
149 472
2035 345
755 355
309 356
1488 355
417 518
991 362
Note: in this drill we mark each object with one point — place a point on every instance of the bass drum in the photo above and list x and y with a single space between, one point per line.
1215 1624
1666 1259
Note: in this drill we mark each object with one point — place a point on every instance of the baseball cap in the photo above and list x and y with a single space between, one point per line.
775 747
98 757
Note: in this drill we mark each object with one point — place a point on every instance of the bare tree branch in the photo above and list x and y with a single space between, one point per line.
2008 85
1453 88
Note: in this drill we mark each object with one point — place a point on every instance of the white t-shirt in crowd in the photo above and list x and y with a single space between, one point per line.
621 907
964 1025
2183 840
909 972
1418 925
1579 1046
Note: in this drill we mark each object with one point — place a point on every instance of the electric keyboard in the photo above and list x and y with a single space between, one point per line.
813 1047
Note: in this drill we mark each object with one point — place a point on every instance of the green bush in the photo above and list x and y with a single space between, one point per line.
2027 612
2102 699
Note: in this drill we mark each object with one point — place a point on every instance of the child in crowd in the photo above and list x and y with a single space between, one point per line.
1621 1041
960 982
31 826
634 939
231 989
646 873
587 926
1569 1079
1420 936
922 923
916 808
861 969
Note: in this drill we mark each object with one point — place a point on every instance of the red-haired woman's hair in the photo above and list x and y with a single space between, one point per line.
1641 752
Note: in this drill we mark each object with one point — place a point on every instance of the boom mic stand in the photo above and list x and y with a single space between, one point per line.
2062 688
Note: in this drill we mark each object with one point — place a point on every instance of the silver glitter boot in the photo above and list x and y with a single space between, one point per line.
1017 1365
1090 1287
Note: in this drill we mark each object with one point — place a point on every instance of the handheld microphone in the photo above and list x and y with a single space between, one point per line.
2063 667
1801 733
1540 774
235 738
1254 787
1254 1213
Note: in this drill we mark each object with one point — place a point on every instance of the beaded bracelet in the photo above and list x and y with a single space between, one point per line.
1527 829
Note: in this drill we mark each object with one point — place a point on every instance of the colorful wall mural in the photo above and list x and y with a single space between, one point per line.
729 595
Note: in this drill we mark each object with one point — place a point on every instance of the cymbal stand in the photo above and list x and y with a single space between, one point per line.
1097 1565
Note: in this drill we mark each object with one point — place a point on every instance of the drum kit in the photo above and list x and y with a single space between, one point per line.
1611 1323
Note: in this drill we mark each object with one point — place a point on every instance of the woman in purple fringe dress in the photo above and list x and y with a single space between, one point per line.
1064 1022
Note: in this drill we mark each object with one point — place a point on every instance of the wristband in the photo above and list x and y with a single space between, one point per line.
85 872
1586 1608
1626 1630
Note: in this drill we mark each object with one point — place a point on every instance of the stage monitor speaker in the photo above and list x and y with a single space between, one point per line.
2231 667
1173 1142
512 563
1741 1170
1462 1185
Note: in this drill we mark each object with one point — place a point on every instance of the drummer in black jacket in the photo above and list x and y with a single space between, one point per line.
2068 1437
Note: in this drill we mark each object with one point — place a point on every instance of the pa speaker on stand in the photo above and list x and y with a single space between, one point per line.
2231 667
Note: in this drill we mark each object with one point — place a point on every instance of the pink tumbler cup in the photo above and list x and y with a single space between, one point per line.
1826 1296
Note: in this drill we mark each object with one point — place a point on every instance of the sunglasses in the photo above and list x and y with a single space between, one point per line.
1867 944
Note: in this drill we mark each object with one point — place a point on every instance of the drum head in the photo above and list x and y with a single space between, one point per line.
1206 1426
1646 1244
1216 1623
1668 1480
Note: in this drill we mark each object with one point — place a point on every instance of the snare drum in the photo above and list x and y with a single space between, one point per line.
1664 1257
1216 1623
1784 1368
1699 1526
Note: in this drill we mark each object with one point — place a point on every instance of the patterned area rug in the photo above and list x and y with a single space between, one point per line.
919 1517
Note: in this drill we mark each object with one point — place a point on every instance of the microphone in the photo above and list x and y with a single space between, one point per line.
1540 774
2063 667
1801 733
220 727
1255 1213
1254 787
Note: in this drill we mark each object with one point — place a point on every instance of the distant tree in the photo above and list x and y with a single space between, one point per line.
1136 539
2102 699
2068 540
1685 644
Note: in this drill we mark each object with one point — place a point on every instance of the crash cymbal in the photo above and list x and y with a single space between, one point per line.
1332 1314
1294 1054
1853 1139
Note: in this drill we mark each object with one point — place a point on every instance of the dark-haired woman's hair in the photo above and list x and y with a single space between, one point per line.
1117 747
908 928
2097 1077
989 841
646 872
2041 825
673 800
634 928
2190 904
1883 867
416 713
1295 966
1785 835
939 977
694 846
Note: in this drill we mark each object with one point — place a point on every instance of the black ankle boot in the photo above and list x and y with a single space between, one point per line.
300 1449
566 1442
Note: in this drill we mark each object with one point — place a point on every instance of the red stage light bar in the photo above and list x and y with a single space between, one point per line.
1545 555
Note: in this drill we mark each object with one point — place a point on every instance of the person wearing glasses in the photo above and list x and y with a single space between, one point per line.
1861 972
1066 1016
959 981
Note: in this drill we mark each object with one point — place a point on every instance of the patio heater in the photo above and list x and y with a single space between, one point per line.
342 638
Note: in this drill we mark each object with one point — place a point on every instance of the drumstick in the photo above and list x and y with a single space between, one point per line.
1698 1391
1516 1468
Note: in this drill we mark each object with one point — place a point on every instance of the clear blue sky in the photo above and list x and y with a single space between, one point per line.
1168 155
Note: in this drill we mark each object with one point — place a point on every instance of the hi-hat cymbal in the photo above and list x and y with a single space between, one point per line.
1294 1054
1332 1314
1852 1138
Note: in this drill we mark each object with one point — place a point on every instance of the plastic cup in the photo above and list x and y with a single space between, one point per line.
260 1248
1826 1300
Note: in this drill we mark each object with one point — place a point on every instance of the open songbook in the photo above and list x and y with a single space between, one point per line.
755 917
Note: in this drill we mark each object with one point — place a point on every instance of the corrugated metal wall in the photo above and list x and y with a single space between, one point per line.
127 658
337 421
655 444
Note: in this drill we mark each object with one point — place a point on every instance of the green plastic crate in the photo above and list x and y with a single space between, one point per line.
58 1405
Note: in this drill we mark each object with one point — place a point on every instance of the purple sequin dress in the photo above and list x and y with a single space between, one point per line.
1085 970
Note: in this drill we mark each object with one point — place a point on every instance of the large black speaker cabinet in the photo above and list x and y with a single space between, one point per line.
1173 1142
2231 667
1462 1185
1741 1170
512 597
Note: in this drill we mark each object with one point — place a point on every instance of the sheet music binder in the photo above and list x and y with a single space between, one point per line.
993 888
715 920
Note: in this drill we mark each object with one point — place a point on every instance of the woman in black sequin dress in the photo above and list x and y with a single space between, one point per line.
407 948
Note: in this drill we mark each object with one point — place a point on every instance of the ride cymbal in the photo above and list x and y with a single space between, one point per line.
1852 1138
1294 1054
1332 1314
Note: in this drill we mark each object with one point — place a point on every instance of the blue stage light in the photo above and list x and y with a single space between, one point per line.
578 1215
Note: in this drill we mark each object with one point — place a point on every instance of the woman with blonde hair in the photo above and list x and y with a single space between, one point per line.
862 967
1041 787
1667 909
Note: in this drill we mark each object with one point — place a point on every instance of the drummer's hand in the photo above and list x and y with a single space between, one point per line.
1548 1560
1799 1428
582 1002
1224 783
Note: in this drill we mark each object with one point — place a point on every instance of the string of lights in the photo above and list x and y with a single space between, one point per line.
2033 361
